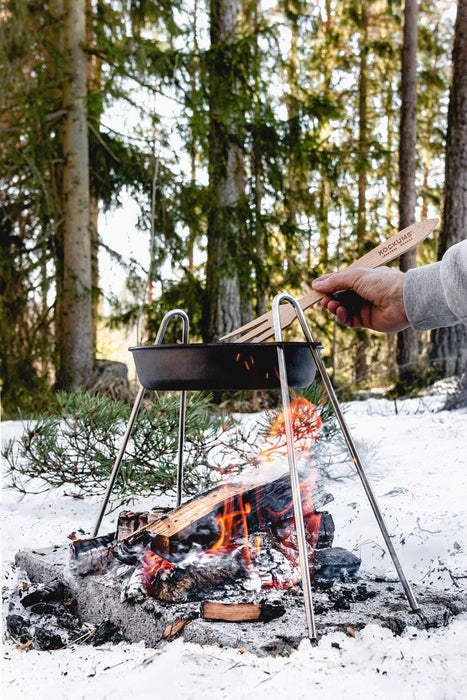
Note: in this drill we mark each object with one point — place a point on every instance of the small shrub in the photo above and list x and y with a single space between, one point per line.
76 443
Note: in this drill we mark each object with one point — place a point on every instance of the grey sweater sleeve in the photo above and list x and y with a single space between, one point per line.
435 295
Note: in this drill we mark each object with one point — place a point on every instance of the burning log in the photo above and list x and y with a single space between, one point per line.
185 515
241 612
238 532
265 502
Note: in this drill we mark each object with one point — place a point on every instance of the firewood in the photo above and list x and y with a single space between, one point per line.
174 628
200 506
129 521
188 513
241 612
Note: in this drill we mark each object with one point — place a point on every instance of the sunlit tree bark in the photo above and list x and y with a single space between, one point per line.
227 287
407 341
449 345
75 332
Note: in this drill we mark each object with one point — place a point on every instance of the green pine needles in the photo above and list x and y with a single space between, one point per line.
76 443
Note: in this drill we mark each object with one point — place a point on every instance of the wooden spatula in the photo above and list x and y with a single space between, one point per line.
262 328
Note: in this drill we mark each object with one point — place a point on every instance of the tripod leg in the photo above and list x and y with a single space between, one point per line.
366 485
294 480
118 460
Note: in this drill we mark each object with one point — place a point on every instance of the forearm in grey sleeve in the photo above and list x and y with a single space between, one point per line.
435 296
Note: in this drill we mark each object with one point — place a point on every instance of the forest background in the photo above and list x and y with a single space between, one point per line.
263 142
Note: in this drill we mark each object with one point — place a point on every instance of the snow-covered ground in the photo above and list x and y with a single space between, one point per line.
416 460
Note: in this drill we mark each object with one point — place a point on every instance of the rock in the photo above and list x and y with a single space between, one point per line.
334 563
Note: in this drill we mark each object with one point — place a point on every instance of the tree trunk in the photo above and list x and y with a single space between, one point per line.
324 187
94 85
227 274
449 345
76 348
407 340
262 278
292 270
361 368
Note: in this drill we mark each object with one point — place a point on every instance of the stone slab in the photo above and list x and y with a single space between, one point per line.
345 607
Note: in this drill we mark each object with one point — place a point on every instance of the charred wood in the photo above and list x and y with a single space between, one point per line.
273 494
53 592
106 632
92 556
129 521
194 581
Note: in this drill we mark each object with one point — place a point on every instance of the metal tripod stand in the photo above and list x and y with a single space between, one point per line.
297 504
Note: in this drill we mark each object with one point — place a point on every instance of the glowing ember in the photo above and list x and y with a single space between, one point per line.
152 564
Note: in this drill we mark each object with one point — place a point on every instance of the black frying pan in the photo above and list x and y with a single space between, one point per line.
222 366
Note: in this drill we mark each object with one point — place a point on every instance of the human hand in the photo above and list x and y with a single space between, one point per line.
380 298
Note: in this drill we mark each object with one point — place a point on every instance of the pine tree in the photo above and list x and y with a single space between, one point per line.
228 289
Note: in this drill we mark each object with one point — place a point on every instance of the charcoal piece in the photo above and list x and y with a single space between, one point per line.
271 611
47 640
363 593
53 592
326 531
341 602
320 609
107 632
334 563
44 609
67 621
18 627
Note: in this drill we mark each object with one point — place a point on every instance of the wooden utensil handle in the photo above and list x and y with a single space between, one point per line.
388 250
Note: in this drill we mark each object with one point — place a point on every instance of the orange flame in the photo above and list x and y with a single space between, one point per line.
306 427
233 519
233 524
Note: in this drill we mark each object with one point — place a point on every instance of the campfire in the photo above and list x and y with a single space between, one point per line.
237 539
